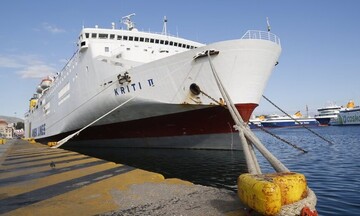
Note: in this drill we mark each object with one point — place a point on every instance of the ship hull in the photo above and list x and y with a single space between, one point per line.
165 112
348 117
290 123
324 121
208 127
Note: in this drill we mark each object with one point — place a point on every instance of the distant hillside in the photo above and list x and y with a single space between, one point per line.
10 119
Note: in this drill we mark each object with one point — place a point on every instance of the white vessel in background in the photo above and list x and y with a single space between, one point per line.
349 115
285 121
176 104
328 115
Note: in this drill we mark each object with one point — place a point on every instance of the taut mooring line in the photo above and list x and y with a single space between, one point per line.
323 138
247 133
281 139
61 142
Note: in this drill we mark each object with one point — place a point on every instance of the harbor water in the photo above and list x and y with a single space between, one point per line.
332 170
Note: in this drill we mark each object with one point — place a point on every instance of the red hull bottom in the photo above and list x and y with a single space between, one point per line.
207 128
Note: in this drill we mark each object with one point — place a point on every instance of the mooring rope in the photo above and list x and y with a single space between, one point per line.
318 135
64 140
293 209
275 163
281 139
244 132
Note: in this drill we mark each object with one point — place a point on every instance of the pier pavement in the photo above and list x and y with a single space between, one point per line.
38 180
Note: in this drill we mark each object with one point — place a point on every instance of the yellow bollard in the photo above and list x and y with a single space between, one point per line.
51 144
267 193
293 186
259 194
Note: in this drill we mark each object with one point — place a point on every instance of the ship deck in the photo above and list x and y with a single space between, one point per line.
38 180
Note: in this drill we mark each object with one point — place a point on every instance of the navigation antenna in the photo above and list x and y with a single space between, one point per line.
127 21
268 24
164 31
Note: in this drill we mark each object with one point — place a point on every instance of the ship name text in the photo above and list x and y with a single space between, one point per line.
133 87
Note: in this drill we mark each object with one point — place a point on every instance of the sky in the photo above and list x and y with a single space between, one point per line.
319 64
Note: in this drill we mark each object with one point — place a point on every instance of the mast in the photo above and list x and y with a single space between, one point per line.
164 31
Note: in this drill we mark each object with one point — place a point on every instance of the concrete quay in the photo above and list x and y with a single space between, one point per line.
38 180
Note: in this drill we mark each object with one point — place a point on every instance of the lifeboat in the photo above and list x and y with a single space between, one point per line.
39 89
45 83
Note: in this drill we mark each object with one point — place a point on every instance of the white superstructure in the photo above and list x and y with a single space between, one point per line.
328 115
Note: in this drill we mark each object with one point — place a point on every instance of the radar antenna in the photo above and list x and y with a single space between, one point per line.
127 21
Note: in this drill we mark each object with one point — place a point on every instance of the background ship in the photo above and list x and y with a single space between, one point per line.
349 115
172 99
328 114
285 121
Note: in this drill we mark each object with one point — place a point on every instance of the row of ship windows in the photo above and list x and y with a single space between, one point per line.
138 39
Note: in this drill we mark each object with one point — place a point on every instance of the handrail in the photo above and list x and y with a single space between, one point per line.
261 35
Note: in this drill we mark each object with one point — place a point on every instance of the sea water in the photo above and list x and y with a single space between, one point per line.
332 170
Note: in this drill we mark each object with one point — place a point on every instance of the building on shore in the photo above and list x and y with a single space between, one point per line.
6 130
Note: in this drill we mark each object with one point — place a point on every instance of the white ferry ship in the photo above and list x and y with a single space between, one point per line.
275 121
174 100
328 115
349 115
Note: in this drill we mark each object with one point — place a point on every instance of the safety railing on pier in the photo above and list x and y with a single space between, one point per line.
261 35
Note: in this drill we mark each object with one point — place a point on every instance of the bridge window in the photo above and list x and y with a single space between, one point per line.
87 35
136 39
141 39
125 37
131 38
151 40
93 35
112 36
103 36
119 37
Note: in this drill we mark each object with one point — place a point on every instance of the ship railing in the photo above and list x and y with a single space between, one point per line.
261 35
